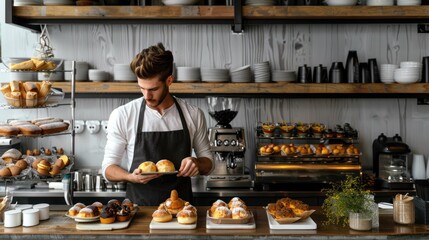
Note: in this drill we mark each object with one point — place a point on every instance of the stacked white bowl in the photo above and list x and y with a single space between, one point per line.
97 75
409 72
241 74
284 76
341 2
214 75
58 2
380 2
123 73
188 74
387 72
27 2
262 72
409 2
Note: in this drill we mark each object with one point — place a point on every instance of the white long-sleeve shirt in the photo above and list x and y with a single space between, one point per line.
122 130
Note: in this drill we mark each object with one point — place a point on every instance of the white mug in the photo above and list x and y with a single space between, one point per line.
418 167
30 217
12 218
43 210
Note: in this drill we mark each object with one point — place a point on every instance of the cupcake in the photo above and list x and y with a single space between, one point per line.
108 215
124 214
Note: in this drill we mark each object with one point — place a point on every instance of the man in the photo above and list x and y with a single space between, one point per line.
154 127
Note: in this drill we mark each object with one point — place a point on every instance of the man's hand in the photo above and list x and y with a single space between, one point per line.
188 167
137 177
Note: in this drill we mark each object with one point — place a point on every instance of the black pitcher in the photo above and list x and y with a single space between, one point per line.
352 67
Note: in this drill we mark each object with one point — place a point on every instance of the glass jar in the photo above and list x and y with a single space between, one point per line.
360 221
403 211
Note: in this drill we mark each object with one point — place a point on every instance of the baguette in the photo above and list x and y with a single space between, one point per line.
45 89
31 99
14 86
55 127
5 89
29 129
26 65
30 87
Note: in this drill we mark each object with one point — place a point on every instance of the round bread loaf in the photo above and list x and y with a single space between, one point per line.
22 164
14 170
186 217
148 166
165 165
5 172
161 214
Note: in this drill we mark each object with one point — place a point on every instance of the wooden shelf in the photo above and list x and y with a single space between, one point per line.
268 89
32 16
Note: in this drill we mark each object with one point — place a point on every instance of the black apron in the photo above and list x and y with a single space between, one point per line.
154 146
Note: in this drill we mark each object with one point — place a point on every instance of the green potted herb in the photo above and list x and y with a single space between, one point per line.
347 202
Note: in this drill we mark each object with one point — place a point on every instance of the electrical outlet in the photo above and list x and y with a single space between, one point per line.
104 125
93 126
79 126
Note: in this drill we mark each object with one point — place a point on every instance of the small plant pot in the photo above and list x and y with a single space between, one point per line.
360 221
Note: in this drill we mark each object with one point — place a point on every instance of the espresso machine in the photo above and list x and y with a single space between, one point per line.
391 163
227 145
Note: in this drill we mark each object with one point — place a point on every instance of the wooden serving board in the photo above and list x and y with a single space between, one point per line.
307 223
173 224
96 226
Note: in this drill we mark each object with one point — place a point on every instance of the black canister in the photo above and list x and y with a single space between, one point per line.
364 73
320 74
425 70
336 73
374 73
304 74
352 67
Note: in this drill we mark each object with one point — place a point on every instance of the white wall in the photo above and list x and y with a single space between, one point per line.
285 46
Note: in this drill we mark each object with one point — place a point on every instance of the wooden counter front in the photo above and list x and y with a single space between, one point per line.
59 227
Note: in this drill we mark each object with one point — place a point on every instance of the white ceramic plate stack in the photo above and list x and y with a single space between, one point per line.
188 74
27 2
214 75
241 74
284 76
409 2
123 73
380 2
260 2
409 72
58 2
179 2
97 75
387 73
262 72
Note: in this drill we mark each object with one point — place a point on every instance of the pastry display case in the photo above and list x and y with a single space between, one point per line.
307 157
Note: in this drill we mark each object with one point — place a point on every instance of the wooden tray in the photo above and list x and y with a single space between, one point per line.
250 224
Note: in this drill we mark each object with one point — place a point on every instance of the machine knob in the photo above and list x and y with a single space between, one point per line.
218 142
226 143
233 142
382 138
397 138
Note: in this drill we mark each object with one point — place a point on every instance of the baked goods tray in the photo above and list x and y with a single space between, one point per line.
248 224
97 226
173 224
53 99
307 223
51 159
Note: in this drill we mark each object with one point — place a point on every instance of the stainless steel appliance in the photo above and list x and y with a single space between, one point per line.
303 171
228 146
390 163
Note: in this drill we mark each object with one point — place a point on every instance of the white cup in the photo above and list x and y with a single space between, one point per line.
418 168
12 218
30 217
43 210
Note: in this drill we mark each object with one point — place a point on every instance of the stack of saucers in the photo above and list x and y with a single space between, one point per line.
241 74
214 75
260 2
27 2
122 72
409 72
284 76
58 2
97 75
262 72
188 74
387 72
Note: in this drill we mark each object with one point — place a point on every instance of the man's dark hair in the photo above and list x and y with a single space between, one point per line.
153 61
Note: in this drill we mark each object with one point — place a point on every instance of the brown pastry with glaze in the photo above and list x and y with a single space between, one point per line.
54 170
161 214
5 172
35 162
22 164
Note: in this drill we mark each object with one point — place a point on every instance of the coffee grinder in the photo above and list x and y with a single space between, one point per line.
228 146
390 163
